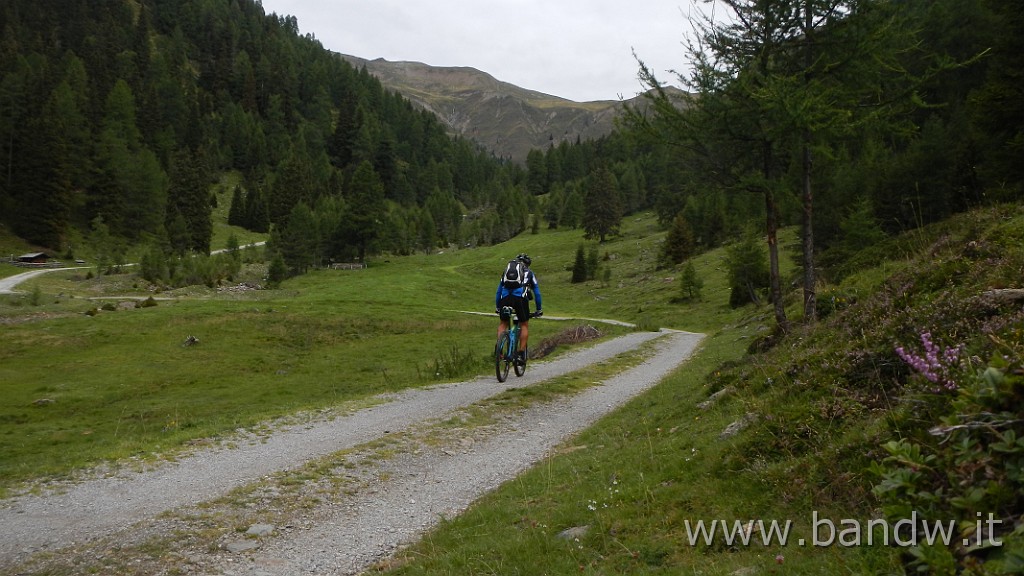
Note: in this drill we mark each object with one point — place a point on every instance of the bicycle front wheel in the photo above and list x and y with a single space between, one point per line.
502 356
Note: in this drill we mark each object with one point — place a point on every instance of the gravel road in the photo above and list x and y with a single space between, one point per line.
347 537
7 285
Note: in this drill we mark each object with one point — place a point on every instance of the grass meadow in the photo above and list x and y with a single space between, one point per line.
83 390
120 386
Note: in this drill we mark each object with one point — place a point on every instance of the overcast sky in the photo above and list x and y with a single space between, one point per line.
576 49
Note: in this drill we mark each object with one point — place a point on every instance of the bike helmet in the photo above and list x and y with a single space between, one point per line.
525 259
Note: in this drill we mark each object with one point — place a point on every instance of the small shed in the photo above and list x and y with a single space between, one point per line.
34 258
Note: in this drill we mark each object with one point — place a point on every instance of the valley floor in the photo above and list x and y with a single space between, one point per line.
335 494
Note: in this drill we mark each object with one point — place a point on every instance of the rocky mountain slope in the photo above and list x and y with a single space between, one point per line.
504 118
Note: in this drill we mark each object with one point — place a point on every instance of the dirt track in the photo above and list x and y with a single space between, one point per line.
346 533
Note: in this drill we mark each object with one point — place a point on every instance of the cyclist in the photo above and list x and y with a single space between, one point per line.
518 297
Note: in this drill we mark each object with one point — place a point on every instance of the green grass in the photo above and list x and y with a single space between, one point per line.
823 399
823 402
223 191
633 479
81 390
121 383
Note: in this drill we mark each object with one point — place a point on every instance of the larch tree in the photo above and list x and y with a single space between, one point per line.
602 212
772 83
367 209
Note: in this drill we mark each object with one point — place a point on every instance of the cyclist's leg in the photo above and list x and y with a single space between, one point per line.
503 320
522 306
524 334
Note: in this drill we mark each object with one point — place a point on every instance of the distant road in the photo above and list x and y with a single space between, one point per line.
8 285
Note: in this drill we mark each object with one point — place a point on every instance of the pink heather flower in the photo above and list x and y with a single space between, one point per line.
936 365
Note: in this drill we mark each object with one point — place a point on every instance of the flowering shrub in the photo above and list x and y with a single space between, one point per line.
832 300
936 365
970 468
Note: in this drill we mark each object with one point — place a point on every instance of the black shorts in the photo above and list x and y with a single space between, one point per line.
519 304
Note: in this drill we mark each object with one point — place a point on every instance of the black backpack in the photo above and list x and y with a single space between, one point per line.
514 276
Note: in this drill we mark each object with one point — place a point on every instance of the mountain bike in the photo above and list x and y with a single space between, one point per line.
505 349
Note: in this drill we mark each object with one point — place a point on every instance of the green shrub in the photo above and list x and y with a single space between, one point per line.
579 268
968 473
748 271
690 284
455 363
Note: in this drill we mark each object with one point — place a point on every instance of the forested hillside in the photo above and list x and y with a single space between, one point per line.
854 120
117 116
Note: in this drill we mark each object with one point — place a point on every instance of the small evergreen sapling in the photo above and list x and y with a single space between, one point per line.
691 284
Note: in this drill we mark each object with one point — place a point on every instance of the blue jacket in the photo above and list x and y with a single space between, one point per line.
523 291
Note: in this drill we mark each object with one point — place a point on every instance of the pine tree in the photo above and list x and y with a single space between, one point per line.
153 266
257 214
70 103
603 210
103 245
579 267
690 284
748 271
593 263
277 271
299 240
40 184
132 188
367 210
574 210
679 243
178 237
190 197
236 213
536 168
292 185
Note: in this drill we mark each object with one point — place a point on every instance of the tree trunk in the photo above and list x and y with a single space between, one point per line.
773 261
810 296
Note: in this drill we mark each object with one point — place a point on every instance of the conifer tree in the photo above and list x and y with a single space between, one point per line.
41 185
257 214
593 262
132 189
190 197
573 210
579 267
536 169
236 213
603 210
299 240
679 243
277 272
690 284
748 271
367 210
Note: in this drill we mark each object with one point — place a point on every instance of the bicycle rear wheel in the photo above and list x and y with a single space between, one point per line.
520 368
502 356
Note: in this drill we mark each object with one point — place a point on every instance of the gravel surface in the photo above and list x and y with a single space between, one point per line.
8 285
401 498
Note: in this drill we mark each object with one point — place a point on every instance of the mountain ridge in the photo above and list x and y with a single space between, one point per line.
505 119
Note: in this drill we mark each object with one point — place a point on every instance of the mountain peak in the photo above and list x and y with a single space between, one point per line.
504 118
